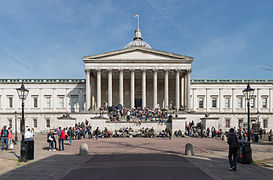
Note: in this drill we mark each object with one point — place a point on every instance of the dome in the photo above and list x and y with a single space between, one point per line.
138 41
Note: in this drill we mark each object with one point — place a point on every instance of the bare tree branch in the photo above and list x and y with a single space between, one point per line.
268 67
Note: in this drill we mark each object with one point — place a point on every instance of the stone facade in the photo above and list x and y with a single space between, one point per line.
136 76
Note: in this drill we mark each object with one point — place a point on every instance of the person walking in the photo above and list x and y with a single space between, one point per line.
97 131
4 136
70 135
10 138
233 149
61 137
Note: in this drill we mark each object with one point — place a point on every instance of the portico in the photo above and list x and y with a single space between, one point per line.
138 76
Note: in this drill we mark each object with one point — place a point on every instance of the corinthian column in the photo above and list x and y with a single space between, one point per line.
166 88
155 88
121 87
132 88
110 99
143 88
98 88
177 79
88 89
188 88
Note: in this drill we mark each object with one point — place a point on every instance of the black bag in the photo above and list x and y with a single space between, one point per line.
234 142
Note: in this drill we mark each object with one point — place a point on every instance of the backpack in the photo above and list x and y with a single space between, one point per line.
62 136
234 143
5 133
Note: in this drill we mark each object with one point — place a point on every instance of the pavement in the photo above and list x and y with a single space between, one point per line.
134 158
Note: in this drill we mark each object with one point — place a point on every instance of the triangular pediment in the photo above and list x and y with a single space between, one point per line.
137 53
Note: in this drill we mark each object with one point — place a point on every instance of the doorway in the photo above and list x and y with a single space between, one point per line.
138 103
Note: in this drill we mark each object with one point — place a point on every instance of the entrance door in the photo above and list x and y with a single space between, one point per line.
138 103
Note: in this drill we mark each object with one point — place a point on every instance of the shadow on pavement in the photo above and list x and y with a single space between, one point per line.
133 166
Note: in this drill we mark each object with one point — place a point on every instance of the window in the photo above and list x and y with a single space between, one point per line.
48 102
10 102
35 123
227 123
35 101
10 123
61 101
264 102
227 102
240 102
201 102
240 122
265 123
74 103
252 103
48 123
214 102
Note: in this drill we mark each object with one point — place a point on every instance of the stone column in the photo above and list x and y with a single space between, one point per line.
121 87
132 88
207 100
233 100
88 89
193 100
110 99
220 99
182 90
270 100
188 88
143 88
155 88
177 88
98 88
92 78
258 99
166 88
81 101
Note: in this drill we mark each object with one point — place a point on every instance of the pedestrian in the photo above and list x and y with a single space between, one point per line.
4 137
128 115
70 134
233 149
89 131
50 140
170 133
97 131
61 137
28 135
10 138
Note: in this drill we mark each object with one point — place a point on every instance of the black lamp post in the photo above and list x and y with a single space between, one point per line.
248 92
22 93
16 137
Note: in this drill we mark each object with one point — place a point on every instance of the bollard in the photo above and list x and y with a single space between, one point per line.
189 149
83 149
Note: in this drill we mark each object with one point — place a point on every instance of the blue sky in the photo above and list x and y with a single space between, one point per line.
229 39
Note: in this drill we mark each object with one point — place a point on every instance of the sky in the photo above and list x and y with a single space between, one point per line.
229 39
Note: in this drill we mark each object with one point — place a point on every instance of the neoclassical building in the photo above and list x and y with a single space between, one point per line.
134 76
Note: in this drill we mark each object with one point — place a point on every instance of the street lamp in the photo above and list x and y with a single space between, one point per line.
248 92
22 93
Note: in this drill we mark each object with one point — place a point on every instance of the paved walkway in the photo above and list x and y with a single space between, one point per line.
135 158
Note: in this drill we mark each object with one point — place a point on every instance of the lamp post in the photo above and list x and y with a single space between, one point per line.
16 137
22 93
248 92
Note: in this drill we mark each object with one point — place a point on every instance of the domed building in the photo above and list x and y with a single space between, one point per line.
136 76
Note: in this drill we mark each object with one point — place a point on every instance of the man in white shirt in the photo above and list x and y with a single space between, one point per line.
28 135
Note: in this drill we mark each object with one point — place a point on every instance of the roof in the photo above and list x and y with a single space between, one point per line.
195 81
